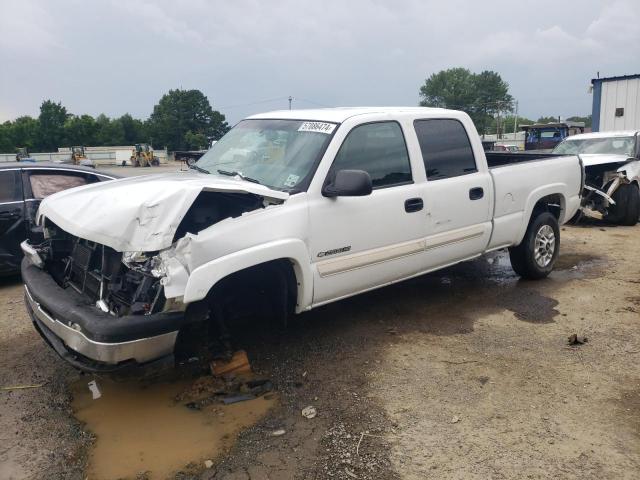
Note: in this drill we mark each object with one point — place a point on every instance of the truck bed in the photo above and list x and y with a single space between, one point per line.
500 159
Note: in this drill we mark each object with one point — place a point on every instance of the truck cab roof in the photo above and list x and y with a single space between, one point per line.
340 114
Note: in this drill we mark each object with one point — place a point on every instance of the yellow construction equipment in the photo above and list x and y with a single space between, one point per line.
22 154
77 155
142 156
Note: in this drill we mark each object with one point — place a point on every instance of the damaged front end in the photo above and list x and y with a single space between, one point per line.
117 283
101 306
603 183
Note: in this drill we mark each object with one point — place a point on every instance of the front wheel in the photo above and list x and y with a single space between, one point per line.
537 253
627 208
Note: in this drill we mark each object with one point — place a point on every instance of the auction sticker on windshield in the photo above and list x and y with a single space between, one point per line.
317 127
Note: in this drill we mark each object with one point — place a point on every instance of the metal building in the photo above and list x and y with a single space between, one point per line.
616 103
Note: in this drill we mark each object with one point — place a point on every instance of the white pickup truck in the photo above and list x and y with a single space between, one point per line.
288 211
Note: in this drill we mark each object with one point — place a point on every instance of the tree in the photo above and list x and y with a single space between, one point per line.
481 95
134 130
25 132
547 120
491 98
451 88
6 142
109 132
182 111
80 130
51 122
507 123
196 141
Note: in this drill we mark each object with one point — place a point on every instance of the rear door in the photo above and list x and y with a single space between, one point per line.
12 230
458 193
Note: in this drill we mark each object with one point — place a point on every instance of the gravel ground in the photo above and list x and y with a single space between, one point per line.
464 373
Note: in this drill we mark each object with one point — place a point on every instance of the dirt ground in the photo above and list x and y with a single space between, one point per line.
464 373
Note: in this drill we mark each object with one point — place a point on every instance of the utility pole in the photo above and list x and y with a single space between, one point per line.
290 99
515 122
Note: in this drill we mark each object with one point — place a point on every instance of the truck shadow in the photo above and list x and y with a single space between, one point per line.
446 302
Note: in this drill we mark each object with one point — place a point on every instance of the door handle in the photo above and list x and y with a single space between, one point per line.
413 205
476 193
8 215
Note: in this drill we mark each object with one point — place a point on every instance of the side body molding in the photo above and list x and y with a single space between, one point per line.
203 278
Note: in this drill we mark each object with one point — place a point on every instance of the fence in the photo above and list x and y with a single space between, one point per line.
100 156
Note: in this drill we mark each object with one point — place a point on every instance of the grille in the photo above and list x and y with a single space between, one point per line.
97 272
84 269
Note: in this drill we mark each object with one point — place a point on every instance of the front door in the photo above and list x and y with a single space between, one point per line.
358 243
12 230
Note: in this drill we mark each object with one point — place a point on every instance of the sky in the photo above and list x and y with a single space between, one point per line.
249 56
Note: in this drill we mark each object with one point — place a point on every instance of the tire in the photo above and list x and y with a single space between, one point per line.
537 253
627 208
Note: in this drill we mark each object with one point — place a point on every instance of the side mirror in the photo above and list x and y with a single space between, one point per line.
348 183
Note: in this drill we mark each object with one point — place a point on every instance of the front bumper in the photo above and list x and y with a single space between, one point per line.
89 338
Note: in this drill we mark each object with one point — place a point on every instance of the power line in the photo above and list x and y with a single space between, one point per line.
289 98
253 103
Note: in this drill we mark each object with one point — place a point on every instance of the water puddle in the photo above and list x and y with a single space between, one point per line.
146 430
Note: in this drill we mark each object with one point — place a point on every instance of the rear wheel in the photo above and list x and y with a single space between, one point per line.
537 253
627 208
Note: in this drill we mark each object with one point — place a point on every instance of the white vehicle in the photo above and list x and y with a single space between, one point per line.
288 211
612 168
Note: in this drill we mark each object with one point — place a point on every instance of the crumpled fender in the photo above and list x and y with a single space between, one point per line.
631 170
204 277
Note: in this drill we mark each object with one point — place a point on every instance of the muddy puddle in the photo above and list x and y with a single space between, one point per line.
152 430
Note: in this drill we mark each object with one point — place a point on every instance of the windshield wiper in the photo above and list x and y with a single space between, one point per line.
195 167
238 174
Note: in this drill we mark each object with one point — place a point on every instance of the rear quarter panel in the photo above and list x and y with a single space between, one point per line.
519 187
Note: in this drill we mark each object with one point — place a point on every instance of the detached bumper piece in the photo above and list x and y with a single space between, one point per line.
90 339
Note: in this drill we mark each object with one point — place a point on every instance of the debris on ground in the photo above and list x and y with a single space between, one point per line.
576 340
309 412
243 397
21 387
94 389
455 419
350 473
237 364
278 433
211 390
208 463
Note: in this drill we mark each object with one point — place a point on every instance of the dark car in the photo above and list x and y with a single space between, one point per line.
22 188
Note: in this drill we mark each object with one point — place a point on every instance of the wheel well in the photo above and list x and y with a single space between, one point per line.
553 203
267 291
273 277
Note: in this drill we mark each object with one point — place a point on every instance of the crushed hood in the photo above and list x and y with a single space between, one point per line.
139 213
590 160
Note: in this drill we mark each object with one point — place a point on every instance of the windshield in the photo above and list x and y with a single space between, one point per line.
280 154
609 145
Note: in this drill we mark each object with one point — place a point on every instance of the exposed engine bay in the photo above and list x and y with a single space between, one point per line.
603 184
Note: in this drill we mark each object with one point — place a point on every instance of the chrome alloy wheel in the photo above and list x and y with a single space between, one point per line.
545 246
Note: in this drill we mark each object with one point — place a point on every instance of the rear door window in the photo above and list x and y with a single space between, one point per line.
46 183
380 150
10 186
445 146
